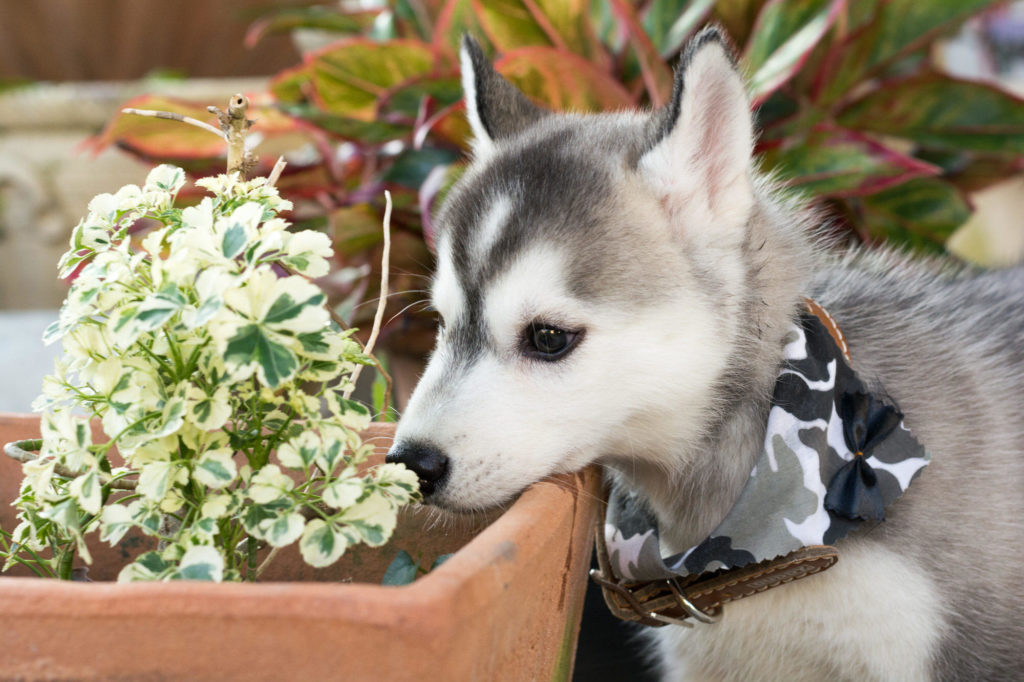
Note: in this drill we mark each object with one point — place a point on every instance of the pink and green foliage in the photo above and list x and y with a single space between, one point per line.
851 108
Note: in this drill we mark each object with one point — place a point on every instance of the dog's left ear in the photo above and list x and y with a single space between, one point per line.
494 107
699 163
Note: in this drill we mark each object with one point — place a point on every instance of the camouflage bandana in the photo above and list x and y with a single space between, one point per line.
834 457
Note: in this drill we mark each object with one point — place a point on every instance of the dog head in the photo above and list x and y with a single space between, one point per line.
589 282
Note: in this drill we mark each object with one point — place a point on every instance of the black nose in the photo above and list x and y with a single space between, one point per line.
429 463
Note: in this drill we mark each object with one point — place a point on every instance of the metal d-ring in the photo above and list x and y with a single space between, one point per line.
689 607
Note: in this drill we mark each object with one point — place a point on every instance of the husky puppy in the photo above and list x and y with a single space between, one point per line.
616 288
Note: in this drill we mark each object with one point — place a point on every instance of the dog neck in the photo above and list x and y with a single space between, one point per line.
692 489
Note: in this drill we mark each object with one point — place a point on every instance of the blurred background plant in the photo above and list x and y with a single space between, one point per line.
853 108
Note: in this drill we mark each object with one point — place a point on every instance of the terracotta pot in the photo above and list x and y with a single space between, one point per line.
505 607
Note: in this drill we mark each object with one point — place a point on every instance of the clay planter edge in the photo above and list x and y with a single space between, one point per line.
507 606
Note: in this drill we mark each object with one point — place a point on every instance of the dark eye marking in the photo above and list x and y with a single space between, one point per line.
544 341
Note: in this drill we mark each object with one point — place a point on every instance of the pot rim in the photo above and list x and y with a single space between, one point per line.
540 507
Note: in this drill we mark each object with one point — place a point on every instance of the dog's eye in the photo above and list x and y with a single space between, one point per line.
547 342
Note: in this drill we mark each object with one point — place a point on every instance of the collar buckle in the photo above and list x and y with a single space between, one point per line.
653 603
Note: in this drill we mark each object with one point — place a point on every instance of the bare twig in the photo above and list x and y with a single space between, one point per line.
234 125
25 456
275 172
170 115
266 562
382 302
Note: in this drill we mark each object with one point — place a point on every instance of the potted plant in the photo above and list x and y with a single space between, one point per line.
224 446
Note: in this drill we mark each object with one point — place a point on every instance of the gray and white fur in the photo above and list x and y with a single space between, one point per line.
675 269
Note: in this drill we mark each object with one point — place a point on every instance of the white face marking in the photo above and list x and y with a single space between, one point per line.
507 420
490 228
446 293
531 290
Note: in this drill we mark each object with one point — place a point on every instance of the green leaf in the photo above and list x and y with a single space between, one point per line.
327 459
52 332
153 562
738 17
413 166
509 24
64 514
371 533
156 309
115 521
356 228
455 19
322 18
313 343
569 25
322 544
937 111
354 414
201 563
299 453
343 492
171 418
256 514
401 571
290 86
407 98
898 28
86 489
921 213
156 479
837 162
670 23
785 35
562 81
352 75
656 74
284 529
287 308
252 345
216 468
233 241
147 518
373 132
379 389
441 558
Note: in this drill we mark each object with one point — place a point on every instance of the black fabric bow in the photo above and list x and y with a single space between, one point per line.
853 492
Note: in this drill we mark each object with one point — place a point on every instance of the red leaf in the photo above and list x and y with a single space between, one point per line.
562 80
657 76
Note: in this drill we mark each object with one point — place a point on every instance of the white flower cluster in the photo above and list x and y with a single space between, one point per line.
205 352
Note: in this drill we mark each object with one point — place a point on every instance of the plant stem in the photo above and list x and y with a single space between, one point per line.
251 547
25 456
266 562
381 302
234 125
64 561
275 172
170 115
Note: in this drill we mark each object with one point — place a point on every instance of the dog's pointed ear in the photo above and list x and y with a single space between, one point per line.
699 161
494 107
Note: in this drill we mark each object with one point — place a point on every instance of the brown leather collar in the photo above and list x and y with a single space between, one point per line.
676 601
